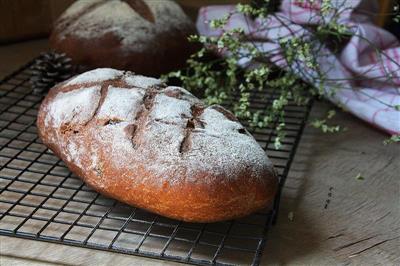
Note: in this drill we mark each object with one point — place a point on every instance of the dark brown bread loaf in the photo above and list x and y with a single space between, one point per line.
145 36
156 147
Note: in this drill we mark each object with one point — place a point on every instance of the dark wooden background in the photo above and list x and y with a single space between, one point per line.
29 19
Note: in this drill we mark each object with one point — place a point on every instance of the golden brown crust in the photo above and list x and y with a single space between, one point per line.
205 196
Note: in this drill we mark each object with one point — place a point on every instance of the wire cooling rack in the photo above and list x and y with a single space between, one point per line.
42 200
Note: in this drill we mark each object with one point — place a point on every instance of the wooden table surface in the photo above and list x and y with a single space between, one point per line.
360 226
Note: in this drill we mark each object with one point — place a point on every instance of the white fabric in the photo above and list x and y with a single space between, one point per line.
358 72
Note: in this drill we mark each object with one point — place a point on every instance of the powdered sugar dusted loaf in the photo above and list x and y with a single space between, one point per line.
156 147
114 29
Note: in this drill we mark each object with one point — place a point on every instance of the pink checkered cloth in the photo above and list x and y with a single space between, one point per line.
370 94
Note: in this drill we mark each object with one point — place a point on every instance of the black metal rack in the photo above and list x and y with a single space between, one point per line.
40 199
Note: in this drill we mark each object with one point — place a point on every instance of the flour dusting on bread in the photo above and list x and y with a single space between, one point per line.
119 18
141 81
73 107
156 147
96 75
121 104
213 142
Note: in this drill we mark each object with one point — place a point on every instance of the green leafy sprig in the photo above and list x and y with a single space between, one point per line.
221 80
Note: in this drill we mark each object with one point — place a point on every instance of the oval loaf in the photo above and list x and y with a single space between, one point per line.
145 36
156 147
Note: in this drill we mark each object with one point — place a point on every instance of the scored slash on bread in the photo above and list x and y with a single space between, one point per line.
156 147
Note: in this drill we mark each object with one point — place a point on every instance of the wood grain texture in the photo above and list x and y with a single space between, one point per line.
359 226
15 55
337 218
30 252
385 7
28 19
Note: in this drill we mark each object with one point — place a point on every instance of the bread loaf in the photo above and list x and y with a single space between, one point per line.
145 36
156 147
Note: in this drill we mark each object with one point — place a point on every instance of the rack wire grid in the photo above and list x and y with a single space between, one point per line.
42 200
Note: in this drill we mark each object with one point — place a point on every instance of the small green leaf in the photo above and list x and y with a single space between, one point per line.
331 113
223 78
392 139
291 216
359 177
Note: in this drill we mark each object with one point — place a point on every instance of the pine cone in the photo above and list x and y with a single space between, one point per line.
49 69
